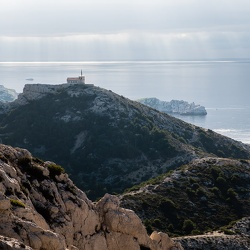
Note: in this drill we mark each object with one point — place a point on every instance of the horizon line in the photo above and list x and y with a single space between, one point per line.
134 61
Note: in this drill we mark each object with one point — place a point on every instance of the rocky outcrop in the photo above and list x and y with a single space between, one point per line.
7 243
40 208
174 106
38 91
7 95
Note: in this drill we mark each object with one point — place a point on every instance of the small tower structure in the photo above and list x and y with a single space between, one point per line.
76 80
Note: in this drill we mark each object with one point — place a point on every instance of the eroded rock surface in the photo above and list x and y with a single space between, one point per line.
40 208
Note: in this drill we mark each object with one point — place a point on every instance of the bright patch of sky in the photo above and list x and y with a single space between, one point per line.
77 30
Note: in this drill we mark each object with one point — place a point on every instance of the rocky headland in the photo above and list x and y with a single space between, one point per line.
179 107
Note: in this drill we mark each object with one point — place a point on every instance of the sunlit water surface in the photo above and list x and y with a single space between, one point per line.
223 87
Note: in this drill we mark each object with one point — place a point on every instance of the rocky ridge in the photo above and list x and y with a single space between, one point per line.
40 208
174 106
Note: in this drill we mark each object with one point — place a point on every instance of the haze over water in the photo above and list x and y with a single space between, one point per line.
221 86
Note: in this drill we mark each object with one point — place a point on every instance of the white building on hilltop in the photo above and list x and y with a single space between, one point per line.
76 80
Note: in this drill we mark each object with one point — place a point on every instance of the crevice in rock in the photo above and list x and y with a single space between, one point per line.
144 248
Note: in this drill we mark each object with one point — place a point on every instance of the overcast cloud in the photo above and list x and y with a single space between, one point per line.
77 30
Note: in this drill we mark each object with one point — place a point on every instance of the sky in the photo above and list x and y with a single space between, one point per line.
98 30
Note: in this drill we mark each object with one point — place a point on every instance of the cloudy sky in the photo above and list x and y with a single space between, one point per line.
85 30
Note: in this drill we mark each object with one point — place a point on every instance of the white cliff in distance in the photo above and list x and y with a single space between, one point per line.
7 95
174 106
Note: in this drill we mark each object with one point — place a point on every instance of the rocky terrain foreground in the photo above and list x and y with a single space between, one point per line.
40 208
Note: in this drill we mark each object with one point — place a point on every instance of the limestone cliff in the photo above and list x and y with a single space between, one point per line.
40 208
174 106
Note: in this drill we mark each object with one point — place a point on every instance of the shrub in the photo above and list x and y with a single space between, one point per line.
35 171
215 190
221 183
24 161
231 193
195 186
55 169
227 231
235 178
195 232
16 203
37 160
157 223
148 226
167 205
215 171
188 226
200 191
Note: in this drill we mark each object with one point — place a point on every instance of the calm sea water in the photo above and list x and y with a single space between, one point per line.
223 87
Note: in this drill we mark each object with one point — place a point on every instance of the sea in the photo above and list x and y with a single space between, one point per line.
223 87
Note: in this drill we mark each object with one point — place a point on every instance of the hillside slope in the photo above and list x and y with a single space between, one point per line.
203 195
174 106
239 238
105 141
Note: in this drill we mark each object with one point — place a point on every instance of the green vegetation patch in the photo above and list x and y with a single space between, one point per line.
17 203
55 169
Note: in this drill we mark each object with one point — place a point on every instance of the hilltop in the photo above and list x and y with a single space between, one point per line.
105 141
